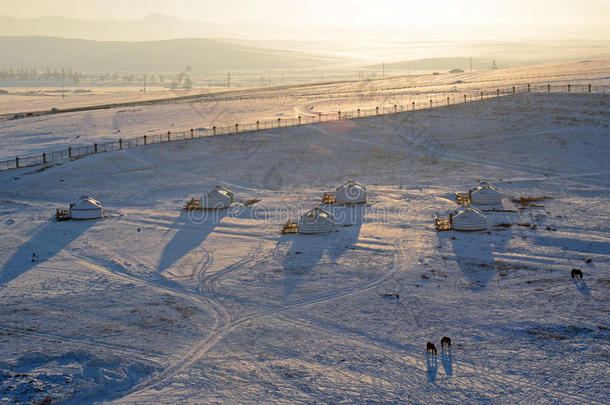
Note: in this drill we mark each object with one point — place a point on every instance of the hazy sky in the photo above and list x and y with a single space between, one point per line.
329 12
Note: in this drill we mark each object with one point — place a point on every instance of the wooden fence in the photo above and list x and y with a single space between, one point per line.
73 152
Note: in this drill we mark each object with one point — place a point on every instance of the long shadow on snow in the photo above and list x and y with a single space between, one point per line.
306 251
581 286
574 245
432 367
46 243
447 360
474 251
193 229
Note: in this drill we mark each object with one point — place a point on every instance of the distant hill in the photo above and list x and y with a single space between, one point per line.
150 56
439 64
152 27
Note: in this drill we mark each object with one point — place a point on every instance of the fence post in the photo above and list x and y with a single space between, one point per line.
192 133
513 89
430 103
339 114
258 125
447 100
465 98
395 106
95 148
481 95
120 143
17 162
319 117
299 120
168 136
413 104
359 112
548 88
377 110
568 88
528 87
589 88
497 92
144 139
236 127
214 130
44 157
279 120
70 152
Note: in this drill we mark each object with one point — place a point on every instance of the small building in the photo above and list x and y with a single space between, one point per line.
317 221
220 197
467 219
86 208
351 192
485 194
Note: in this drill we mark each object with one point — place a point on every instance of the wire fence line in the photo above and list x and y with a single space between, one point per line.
74 152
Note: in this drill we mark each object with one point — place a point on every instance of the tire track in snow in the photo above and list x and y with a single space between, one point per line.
221 329
216 336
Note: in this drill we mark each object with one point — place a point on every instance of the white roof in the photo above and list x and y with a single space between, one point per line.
349 184
86 202
482 185
318 212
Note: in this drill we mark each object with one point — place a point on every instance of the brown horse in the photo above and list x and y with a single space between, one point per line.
446 341
576 273
430 348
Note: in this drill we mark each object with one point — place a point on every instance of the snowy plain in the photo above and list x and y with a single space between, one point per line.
153 305
54 132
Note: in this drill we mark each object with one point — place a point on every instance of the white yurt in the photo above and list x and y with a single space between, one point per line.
351 192
86 208
317 221
218 198
485 194
468 219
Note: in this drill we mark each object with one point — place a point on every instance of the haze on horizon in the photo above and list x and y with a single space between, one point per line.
443 18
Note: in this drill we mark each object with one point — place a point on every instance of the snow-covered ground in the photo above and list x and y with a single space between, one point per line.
151 304
49 133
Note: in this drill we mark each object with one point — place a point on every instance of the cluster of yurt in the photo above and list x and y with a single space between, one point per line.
220 197
485 194
317 220
351 192
467 218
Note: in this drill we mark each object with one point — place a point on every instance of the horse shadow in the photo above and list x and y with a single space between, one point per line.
193 228
447 360
432 367
581 286
46 243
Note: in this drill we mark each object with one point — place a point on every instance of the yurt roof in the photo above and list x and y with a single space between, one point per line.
351 183
482 185
87 200
466 208
317 211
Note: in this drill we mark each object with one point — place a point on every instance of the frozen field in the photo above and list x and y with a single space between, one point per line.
153 305
48 133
